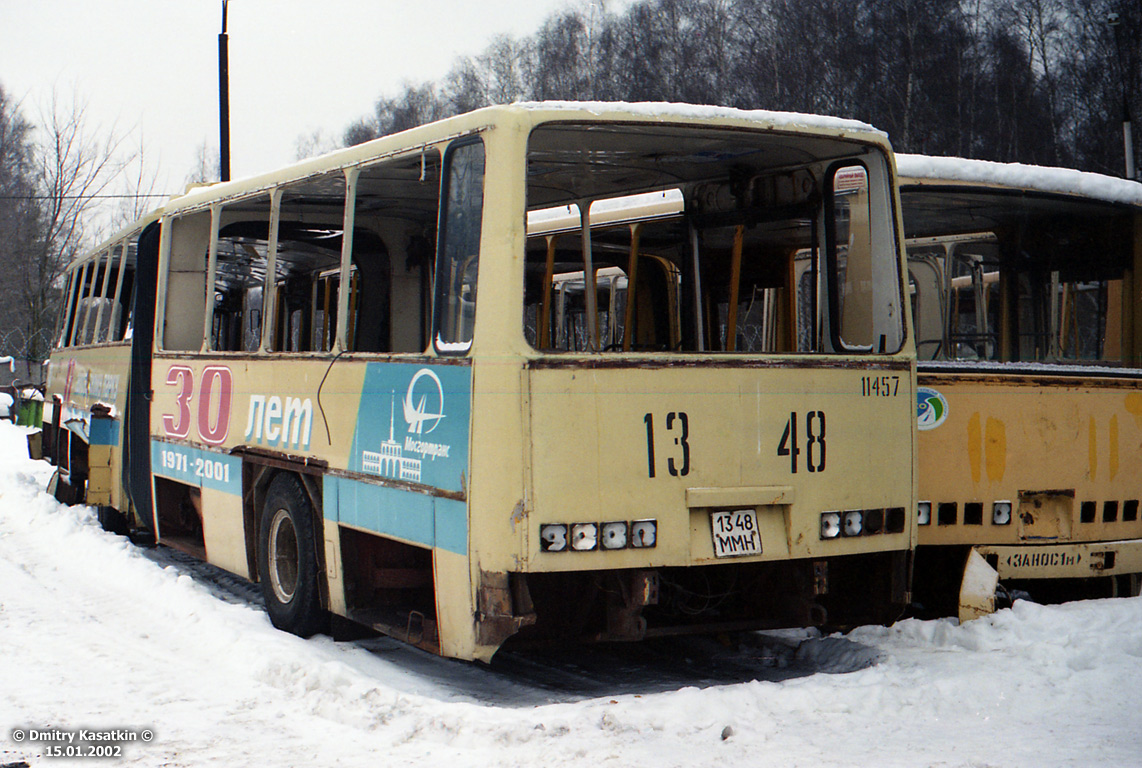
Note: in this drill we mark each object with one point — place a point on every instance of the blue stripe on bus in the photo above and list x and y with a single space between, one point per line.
194 466
415 517
103 432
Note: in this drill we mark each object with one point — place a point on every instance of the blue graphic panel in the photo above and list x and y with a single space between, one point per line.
415 517
194 466
413 424
104 432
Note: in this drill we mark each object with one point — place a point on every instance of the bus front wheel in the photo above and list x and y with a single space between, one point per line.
287 559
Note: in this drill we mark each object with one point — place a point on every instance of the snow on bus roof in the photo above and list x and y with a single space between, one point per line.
1065 181
649 109
660 109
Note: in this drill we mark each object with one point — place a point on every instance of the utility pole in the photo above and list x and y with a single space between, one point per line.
1127 126
224 99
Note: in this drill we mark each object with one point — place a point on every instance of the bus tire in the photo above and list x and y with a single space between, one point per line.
287 559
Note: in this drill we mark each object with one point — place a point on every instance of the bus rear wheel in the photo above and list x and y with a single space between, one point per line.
287 559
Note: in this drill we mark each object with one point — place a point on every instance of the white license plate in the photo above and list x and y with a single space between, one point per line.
735 533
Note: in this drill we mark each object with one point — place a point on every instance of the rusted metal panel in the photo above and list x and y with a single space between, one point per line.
636 590
294 463
1011 376
1045 514
504 606
657 362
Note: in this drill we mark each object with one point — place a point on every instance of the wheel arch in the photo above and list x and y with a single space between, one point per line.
258 471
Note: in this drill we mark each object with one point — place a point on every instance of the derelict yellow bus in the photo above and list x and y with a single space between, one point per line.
1024 287
371 382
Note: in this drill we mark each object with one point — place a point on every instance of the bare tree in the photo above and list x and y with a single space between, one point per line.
206 168
1040 21
561 58
505 62
465 88
1040 81
20 216
138 185
314 144
360 131
75 165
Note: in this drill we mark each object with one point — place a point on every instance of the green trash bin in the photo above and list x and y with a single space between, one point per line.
30 412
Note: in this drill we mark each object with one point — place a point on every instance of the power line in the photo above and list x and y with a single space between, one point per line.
82 197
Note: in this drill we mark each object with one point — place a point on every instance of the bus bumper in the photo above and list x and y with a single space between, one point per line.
1064 561
989 564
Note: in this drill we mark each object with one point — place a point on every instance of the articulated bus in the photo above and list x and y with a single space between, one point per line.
1024 286
538 372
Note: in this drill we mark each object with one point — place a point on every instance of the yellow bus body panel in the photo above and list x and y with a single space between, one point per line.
1064 451
590 459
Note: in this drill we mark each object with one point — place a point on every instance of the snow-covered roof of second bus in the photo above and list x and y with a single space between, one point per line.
1066 181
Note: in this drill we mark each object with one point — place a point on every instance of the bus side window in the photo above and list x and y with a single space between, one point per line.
243 245
98 310
124 312
653 316
91 300
412 287
863 301
67 318
116 316
309 251
185 303
973 319
97 299
459 247
926 296
369 302
395 214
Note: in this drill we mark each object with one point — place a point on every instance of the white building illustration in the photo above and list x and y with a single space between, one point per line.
390 461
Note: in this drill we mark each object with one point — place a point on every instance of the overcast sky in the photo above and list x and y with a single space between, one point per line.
150 67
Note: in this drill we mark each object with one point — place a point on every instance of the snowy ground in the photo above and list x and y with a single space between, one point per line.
96 633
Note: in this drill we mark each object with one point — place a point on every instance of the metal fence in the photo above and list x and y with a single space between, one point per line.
15 344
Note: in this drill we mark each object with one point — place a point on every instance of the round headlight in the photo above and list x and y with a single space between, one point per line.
924 513
553 538
643 534
1001 513
584 537
614 535
830 525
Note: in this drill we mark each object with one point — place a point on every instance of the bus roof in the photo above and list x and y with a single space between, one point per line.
951 195
533 113
926 170
524 113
